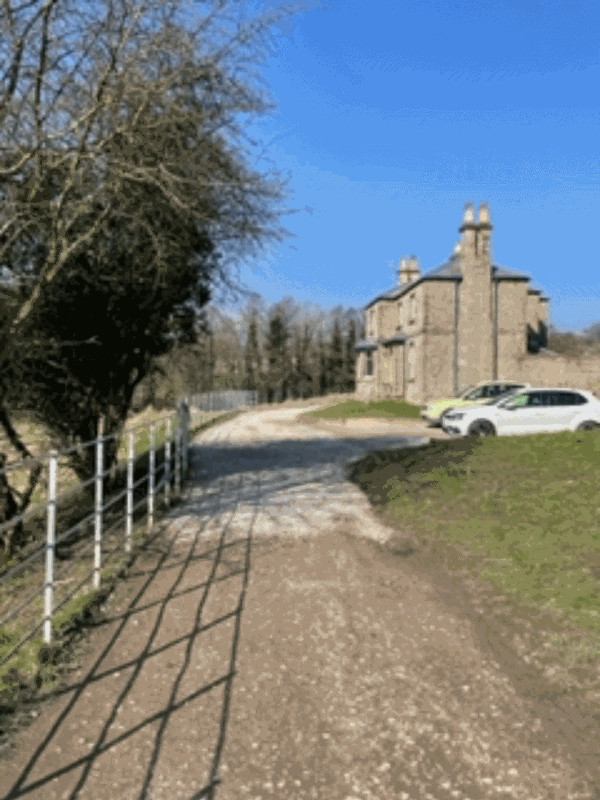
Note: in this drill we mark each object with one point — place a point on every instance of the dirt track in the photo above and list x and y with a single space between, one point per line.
273 637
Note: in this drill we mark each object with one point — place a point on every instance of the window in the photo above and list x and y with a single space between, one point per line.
476 394
413 307
540 399
369 362
517 402
569 399
412 361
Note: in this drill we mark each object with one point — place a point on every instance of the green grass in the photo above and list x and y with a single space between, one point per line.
527 508
376 408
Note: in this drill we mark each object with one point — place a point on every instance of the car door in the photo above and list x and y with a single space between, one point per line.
531 412
509 414
557 414
569 406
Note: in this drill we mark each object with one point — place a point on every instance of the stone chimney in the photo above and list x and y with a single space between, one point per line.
475 351
484 245
469 229
409 269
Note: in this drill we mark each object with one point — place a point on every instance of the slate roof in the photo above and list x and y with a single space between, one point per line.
373 344
448 271
397 338
367 344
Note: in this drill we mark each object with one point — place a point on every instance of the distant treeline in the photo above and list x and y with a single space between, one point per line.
285 350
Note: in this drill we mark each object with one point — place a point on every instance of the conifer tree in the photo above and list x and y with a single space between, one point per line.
350 357
252 356
335 378
277 358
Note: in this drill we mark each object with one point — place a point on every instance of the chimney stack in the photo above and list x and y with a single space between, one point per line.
468 229
485 233
409 269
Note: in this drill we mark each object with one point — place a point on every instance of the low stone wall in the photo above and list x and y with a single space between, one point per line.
543 369
557 370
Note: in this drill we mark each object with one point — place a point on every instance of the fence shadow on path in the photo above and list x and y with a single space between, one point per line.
133 717
221 459
179 586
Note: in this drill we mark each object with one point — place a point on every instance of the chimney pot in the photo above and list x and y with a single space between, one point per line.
484 214
409 269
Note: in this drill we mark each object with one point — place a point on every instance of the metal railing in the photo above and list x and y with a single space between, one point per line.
168 476
227 400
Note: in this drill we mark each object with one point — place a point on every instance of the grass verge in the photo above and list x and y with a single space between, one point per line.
522 512
375 408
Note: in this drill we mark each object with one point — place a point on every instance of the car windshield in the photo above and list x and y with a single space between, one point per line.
496 401
463 392
513 401
475 394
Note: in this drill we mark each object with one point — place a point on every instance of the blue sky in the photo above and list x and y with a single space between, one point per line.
393 114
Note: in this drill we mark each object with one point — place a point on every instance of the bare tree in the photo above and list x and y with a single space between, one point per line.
123 154
83 94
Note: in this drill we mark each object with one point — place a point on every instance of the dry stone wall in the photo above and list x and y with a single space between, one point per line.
556 370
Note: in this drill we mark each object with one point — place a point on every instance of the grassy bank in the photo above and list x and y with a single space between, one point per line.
524 512
375 408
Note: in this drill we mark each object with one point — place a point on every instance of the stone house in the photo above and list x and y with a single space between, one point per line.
466 321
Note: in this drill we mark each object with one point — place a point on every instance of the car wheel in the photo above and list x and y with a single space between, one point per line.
443 416
589 425
481 427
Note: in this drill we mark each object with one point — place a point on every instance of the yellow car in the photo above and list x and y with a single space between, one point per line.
479 395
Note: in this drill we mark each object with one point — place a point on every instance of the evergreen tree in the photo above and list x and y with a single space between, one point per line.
335 378
321 359
350 357
252 356
303 376
277 358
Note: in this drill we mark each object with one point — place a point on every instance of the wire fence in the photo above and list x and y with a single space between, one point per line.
154 469
227 400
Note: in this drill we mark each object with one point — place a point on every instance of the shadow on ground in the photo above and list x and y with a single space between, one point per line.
166 664
221 459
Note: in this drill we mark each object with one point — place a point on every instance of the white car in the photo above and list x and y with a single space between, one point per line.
531 410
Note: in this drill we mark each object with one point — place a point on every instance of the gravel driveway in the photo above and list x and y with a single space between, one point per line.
271 644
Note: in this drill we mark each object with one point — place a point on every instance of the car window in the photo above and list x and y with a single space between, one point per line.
475 394
501 399
535 399
570 399
540 399
516 402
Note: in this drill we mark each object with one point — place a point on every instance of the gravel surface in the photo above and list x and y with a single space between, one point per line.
272 644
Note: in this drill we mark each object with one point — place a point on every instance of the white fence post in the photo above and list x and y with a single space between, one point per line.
152 466
50 544
185 433
129 516
98 503
178 457
167 463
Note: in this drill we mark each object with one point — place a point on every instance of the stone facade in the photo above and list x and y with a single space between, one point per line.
466 321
